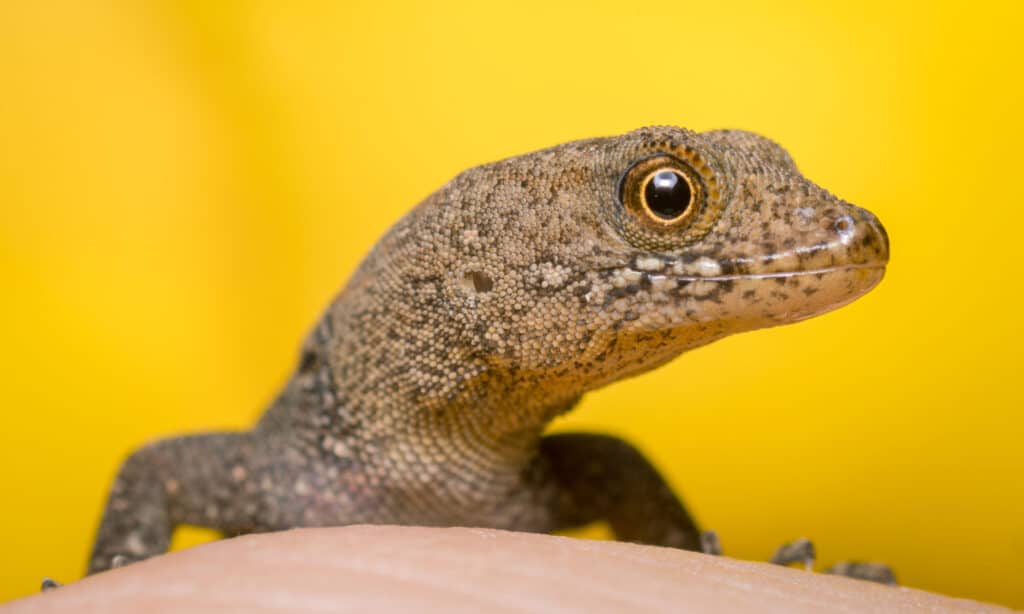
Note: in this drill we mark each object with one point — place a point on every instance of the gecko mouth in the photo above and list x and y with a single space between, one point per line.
777 274
706 290
649 270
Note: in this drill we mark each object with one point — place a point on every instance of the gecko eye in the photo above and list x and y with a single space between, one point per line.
661 191
667 194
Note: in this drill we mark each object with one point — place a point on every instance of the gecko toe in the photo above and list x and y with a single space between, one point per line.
873 572
710 544
799 551
48 584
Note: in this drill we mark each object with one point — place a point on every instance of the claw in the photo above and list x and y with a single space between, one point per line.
799 551
873 572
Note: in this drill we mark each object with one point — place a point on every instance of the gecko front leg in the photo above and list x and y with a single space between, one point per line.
598 477
198 480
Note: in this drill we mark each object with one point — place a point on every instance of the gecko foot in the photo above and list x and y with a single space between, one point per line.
799 551
873 572
48 584
709 543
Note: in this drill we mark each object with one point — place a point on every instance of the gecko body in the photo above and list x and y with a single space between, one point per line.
421 395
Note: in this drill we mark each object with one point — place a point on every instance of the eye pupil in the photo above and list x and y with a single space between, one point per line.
668 194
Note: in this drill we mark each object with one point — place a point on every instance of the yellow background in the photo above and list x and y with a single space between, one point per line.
184 185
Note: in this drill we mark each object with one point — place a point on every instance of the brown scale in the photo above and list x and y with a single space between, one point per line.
492 307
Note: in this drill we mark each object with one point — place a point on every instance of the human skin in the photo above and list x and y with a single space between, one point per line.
390 568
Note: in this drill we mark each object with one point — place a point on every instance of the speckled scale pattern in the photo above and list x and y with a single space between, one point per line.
422 394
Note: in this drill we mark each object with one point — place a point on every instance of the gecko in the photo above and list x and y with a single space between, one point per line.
422 394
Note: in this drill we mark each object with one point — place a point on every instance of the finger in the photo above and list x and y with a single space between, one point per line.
373 568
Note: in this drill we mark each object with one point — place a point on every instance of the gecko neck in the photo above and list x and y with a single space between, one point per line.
468 409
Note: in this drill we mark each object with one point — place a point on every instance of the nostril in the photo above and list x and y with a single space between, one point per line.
845 228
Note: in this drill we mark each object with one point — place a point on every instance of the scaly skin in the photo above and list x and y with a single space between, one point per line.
422 394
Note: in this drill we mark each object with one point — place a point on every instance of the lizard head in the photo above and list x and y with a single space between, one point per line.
587 262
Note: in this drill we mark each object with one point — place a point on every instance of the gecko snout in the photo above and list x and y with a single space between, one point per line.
866 239
883 236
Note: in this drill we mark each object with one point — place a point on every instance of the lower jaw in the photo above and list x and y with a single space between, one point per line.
776 299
